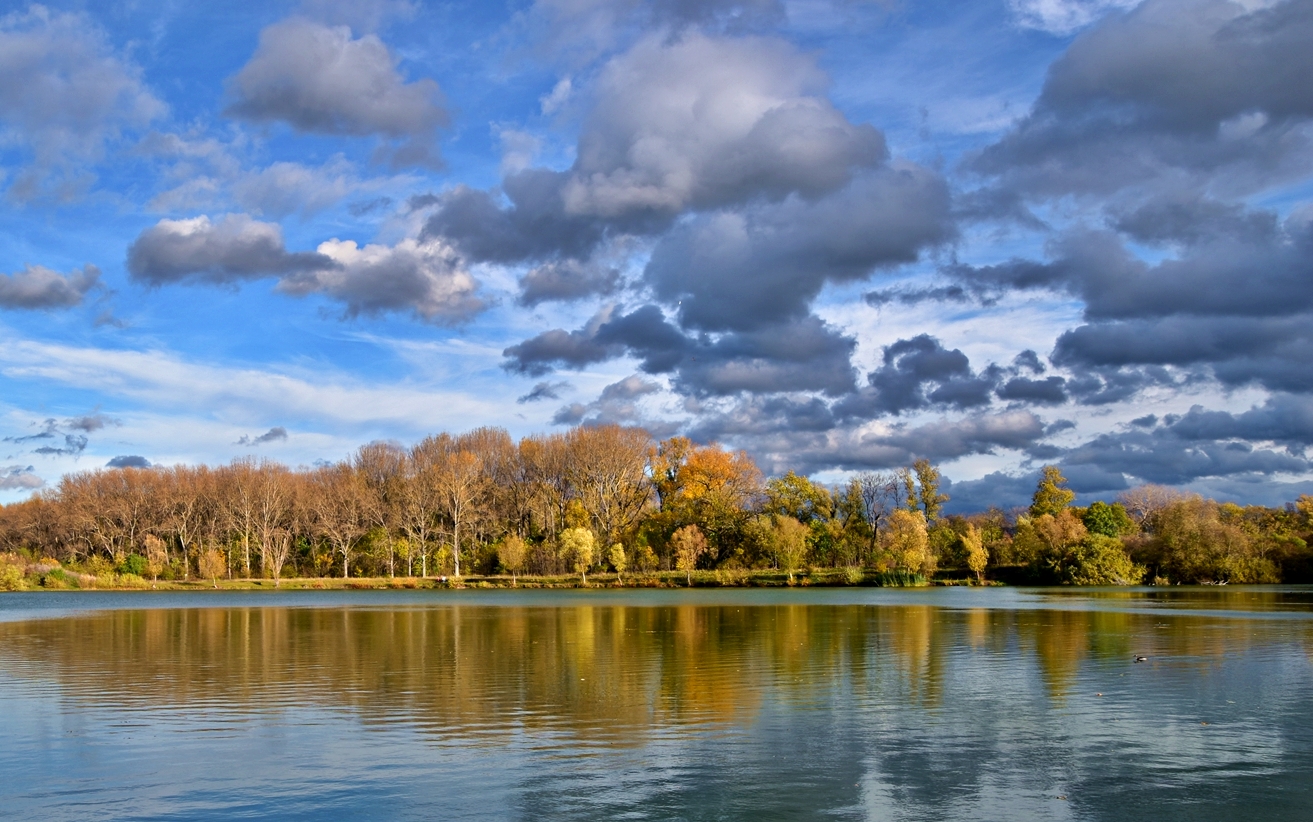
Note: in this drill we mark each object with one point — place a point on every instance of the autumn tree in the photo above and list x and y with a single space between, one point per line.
907 539
977 557
510 553
212 565
607 469
1051 495
577 545
618 560
339 510
929 498
689 545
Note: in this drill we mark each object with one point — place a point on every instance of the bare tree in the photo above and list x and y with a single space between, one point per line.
338 510
607 466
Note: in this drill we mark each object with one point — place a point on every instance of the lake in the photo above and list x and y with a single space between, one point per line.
848 703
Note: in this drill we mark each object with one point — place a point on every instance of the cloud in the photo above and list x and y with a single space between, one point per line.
426 278
801 355
318 79
38 287
90 423
544 391
1063 16
567 280
231 249
128 461
618 403
1172 94
64 97
792 434
920 373
677 124
577 32
19 478
285 188
73 444
275 434
744 270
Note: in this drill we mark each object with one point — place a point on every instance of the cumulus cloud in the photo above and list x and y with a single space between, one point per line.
19 478
39 287
426 278
64 97
319 79
567 280
800 355
722 121
765 264
920 373
232 248
276 434
1174 93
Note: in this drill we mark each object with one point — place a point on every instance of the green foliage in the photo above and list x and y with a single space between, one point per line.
1051 495
927 494
1197 540
1109 520
1095 560
800 498
134 564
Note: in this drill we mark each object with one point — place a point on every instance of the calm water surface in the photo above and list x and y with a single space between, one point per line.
730 704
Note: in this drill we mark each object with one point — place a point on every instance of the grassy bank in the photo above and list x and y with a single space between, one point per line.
55 578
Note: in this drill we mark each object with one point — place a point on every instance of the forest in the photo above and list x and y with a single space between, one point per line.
613 502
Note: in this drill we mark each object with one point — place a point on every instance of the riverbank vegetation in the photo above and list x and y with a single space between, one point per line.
607 505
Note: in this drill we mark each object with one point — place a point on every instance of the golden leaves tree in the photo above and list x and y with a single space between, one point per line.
689 544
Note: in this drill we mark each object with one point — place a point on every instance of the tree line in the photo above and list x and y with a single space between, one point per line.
612 499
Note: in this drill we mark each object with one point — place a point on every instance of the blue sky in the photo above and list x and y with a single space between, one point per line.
839 234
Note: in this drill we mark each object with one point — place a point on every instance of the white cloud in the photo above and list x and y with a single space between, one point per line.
1063 16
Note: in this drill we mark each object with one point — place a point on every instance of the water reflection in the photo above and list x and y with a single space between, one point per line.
964 706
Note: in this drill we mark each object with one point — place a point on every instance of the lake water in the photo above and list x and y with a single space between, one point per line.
1000 704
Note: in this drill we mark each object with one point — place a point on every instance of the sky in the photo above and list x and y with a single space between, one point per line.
841 235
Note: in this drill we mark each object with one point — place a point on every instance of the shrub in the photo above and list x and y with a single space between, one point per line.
1095 560
134 564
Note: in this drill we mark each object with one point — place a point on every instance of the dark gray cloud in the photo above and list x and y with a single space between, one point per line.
276 434
426 278
764 265
560 348
19 478
544 391
803 355
1048 391
38 287
920 373
1161 456
567 280
1176 92
128 461
318 79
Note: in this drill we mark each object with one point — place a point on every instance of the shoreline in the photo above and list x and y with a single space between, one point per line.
829 578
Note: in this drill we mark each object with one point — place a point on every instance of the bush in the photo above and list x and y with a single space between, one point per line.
1095 560
11 578
134 564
